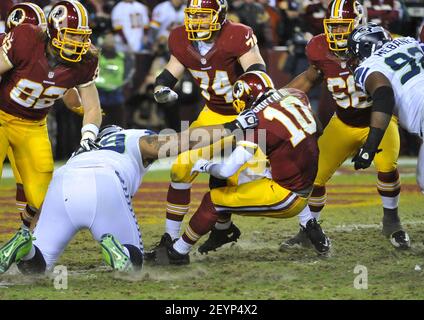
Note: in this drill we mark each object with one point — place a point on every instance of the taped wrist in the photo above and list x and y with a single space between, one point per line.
89 131
257 67
383 100
166 79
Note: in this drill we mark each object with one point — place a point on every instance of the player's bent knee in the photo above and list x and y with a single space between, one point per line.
181 173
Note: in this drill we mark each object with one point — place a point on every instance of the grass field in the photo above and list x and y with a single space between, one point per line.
253 268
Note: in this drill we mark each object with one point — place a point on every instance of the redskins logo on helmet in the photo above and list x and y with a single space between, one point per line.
68 30
25 12
249 87
204 17
342 17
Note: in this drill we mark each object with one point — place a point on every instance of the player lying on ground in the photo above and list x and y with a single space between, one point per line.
348 128
286 118
94 191
391 72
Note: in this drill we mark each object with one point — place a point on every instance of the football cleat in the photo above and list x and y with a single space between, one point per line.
397 236
400 239
218 238
300 240
318 238
165 242
168 255
15 249
114 254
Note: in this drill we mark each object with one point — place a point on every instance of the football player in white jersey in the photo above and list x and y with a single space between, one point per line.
93 190
391 71
164 16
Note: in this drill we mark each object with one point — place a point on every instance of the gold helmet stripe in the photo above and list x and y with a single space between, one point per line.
40 13
82 13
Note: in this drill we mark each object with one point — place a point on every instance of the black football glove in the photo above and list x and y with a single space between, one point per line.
85 145
364 157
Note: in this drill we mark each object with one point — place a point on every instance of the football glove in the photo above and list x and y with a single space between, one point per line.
364 157
245 120
165 95
85 145
201 166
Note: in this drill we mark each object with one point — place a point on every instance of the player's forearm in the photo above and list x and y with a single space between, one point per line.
306 80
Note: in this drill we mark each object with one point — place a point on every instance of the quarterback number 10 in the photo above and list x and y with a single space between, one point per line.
301 123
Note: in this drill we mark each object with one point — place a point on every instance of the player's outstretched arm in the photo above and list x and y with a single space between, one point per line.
165 145
72 101
383 102
306 80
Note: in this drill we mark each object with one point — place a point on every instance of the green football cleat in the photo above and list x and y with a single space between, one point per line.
17 248
114 254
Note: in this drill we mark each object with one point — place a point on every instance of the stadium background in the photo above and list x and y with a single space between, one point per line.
283 27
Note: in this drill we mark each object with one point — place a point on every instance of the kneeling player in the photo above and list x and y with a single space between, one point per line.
94 191
286 118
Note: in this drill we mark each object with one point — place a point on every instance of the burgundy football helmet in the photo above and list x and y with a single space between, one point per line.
68 30
249 87
25 12
204 17
342 17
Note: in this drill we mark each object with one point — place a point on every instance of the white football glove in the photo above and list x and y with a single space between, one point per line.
85 145
201 166
165 95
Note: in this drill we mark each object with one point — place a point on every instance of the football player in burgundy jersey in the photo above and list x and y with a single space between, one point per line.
216 52
37 68
28 12
348 129
288 124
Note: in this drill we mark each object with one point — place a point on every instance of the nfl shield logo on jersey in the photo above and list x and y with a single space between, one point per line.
51 74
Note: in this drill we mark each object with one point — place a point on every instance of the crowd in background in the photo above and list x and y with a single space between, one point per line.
133 35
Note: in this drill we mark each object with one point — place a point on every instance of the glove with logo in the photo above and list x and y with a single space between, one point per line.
245 120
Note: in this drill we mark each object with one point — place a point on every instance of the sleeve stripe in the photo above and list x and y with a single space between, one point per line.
363 75
6 58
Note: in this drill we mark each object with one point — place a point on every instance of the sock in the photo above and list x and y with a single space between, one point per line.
388 186
28 215
30 254
224 221
178 201
391 215
304 216
318 199
201 222
21 201
182 247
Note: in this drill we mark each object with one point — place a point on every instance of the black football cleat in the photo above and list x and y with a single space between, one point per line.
165 242
318 238
300 240
218 238
397 236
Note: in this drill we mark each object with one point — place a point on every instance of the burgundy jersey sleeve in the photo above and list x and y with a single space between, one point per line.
18 42
239 40
175 38
315 49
